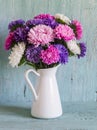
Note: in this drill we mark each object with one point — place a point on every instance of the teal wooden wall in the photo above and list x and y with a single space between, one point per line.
78 79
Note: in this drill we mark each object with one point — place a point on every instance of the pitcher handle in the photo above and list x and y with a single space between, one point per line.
29 82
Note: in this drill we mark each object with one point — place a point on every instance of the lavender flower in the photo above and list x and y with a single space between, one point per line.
83 50
20 34
15 24
33 53
63 52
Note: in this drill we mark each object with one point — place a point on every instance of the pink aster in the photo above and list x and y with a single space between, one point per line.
64 32
44 16
50 55
40 35
8 41
78 29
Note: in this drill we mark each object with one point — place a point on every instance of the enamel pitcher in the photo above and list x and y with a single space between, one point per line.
47 102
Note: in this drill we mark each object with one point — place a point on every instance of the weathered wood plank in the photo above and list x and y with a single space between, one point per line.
78 79
76 116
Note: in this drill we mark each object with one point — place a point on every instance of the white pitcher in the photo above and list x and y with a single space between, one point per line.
47 102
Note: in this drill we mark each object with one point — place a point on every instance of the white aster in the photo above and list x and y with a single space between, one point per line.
16 54
63 18
73 47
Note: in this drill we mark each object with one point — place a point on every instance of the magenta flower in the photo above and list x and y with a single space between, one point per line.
44 16
40 35
50 55
77 29
8 41
64 32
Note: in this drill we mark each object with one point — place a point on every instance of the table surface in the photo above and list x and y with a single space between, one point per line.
76 116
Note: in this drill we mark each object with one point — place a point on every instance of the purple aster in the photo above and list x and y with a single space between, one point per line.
25 33
63 52
20 34
46 21
50 22
33 53
83 50
33 22
15 24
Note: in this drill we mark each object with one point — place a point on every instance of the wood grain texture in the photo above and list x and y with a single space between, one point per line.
76 116
78 79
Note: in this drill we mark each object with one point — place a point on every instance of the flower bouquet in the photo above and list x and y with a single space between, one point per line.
44 41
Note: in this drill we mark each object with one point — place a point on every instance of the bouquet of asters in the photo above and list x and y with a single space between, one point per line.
44 41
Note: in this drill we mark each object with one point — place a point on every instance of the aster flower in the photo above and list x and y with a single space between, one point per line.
8 41
83 50
15 24
16 54
44 41
33 22
73 47
77 29
63 53
64 32
20 34
33 53
43 16
40 35
50 55
65 19
50 22
46 21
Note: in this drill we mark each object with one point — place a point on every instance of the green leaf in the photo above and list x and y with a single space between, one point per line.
31 64
60 21
22 61
71 53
